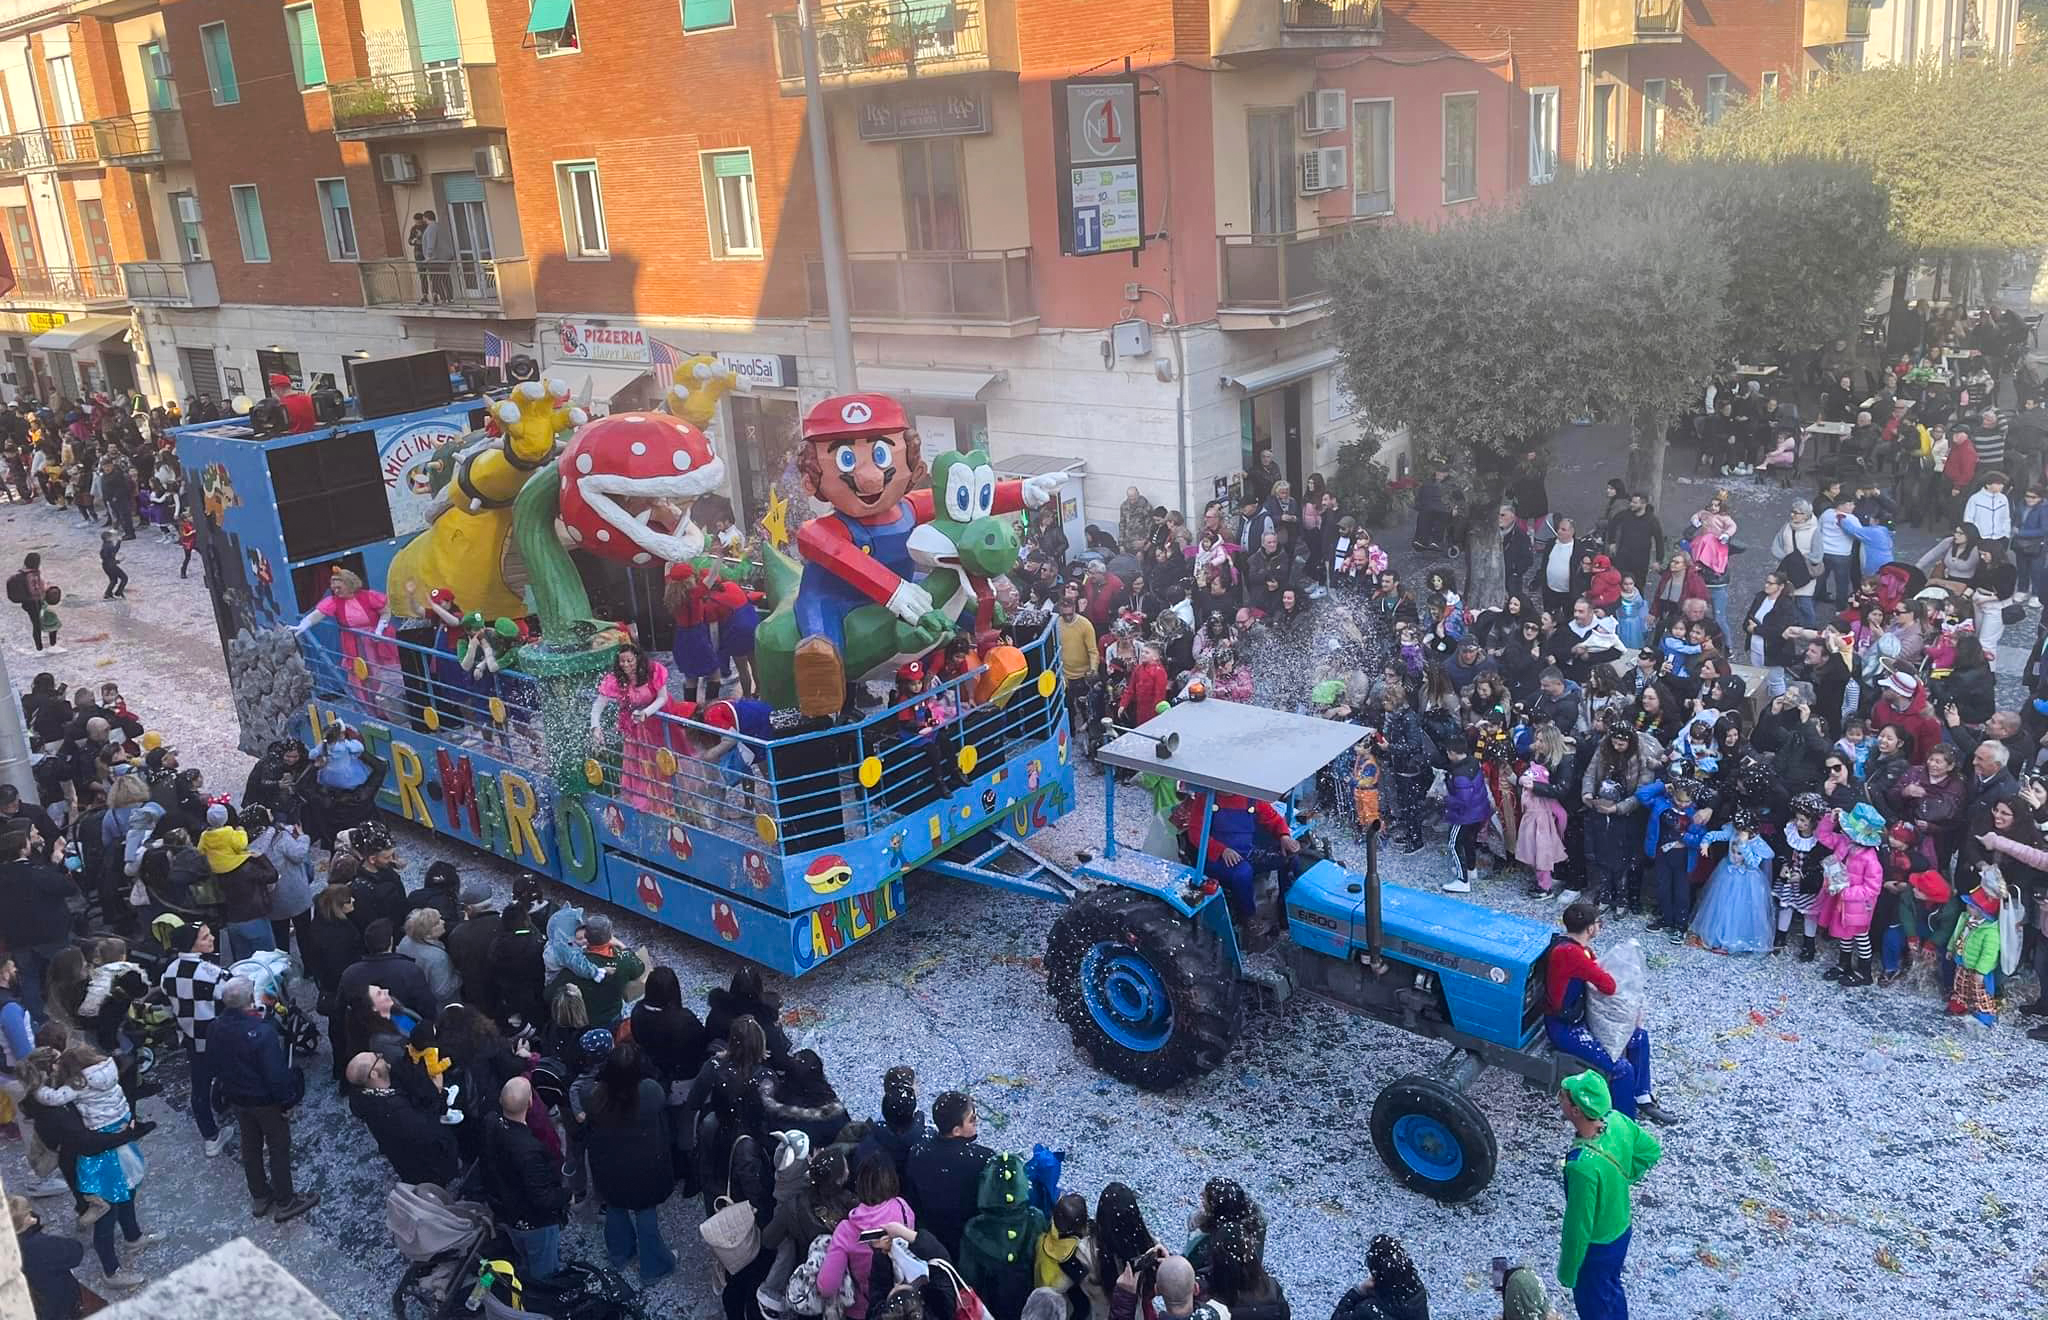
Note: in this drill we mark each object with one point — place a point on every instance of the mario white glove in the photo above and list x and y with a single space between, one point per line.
1041 488
910 602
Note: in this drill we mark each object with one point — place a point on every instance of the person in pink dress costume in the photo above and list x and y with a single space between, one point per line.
1848 897
359 610
639 686
1539 843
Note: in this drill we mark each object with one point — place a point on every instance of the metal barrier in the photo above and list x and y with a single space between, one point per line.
781 795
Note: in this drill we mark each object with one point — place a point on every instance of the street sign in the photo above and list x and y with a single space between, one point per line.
1099 145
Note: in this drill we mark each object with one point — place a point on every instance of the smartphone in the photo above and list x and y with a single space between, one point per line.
1500 1273
874 1235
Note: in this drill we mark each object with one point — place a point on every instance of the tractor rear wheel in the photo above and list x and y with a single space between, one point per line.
1433 1138
1149 995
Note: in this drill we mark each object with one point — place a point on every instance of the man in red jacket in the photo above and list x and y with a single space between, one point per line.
1905 707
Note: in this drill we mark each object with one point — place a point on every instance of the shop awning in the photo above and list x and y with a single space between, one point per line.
1255 380
949 385
549 17
83 332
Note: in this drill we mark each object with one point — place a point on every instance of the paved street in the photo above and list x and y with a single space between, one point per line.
1843 1152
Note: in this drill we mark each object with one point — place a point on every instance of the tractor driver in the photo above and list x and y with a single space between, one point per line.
1573 966
1236 851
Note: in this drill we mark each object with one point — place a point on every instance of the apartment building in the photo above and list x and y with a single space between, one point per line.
200 194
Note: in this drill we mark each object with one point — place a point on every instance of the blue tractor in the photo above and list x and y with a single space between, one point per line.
1147 969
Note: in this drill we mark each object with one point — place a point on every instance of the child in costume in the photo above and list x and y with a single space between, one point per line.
1365 782
1631 614
1668 842
1800 873
1973 949
1539 842
1848 898
48 621
1735 915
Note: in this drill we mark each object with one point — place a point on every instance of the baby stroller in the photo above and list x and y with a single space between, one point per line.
442 1240
272 972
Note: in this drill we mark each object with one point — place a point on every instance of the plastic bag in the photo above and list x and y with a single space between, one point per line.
1161 839
1613 1019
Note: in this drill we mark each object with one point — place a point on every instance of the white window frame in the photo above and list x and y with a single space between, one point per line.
1717 97
242 229
544 49
1768 85
212 71
291 34
1356 154
1660 98
178 236
64 97
1444 124
572 223
714 206
328 226
1544 157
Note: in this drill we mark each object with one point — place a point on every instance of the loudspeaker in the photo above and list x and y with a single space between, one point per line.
402 384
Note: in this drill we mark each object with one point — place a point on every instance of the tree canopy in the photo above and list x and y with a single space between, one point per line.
1956 147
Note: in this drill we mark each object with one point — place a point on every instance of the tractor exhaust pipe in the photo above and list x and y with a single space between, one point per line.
1372 898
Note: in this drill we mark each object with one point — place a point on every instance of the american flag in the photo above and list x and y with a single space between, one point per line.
666 358
494 351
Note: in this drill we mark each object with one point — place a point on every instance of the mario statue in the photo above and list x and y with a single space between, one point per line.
860 456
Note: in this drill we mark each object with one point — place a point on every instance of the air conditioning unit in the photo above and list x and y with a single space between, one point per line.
1322 111
188 209
160 63
1323 169
492 162
398 167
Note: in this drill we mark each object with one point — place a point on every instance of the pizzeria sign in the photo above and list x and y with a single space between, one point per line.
588 341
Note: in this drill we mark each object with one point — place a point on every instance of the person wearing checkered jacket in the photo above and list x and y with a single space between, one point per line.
192 979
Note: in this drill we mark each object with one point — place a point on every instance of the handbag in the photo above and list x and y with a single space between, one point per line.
2013 613
730 1232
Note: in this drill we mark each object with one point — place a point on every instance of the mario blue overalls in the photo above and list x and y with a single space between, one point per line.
1628 1076
1234 824
824 598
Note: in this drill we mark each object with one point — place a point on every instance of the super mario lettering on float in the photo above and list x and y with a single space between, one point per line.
495 807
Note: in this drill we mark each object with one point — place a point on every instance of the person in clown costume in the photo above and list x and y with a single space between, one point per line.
859 455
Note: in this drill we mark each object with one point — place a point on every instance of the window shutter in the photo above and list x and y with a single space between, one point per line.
549 17
312 63
434 23
700 14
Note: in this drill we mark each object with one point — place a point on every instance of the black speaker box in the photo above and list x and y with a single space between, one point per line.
385 386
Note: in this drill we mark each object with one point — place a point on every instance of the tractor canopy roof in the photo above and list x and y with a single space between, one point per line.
1233 748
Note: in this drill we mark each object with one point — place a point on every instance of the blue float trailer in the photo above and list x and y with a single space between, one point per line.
786 864
1147 970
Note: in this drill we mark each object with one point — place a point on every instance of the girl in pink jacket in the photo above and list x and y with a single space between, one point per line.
867 1228
1848 895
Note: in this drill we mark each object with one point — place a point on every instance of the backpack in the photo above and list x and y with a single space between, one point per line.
802 1293
17 588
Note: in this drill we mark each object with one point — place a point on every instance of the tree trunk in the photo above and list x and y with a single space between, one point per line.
1902 287
1940 272
1485 572
1646 454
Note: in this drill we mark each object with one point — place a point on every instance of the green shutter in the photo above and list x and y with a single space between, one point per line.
549 16
220 59
312 65
461 188
701 14
732 164
433 23
160 94
249 218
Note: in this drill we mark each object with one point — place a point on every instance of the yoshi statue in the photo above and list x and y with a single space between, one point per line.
962 542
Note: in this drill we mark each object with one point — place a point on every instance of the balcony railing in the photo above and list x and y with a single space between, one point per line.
170 283
149 137
417 101
466 286
62 147
1355 14
1658 18
1271 273
67 284
874 40
967 288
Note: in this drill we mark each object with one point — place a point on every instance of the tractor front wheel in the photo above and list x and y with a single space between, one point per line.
1150 996
1433 1138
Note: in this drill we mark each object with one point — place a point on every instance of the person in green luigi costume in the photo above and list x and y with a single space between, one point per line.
1609 1156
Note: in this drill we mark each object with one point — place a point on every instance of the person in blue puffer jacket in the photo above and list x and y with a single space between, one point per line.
1467 808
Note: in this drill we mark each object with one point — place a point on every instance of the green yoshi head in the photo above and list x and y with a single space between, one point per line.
964 533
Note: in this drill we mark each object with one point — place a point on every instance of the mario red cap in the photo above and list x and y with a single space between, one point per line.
719 715
910 671
279 378
849 416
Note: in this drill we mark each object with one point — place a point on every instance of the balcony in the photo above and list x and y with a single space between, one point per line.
170 283
462 289
1276 280
969 294
445 99
1257 29
67 286
862 42
138 141
67 146
1605 24
1835 22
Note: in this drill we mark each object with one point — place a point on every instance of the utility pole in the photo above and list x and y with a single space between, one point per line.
846 377
14 762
